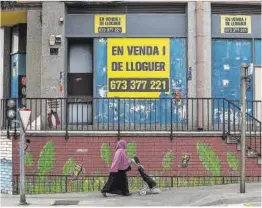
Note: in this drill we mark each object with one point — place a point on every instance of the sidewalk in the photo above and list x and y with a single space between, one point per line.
192 196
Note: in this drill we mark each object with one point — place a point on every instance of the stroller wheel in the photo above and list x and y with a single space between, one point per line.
142 192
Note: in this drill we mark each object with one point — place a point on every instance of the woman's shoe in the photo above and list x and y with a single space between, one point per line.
104 194
127 194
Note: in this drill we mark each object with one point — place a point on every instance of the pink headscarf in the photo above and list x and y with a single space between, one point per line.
120 161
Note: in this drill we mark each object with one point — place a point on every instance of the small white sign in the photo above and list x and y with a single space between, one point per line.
250 69
52 40
24 115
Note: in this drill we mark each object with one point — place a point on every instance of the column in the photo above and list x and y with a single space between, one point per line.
191 54
203 63
52 65
5 36
33 53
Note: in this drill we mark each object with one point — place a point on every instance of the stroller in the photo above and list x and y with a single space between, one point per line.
150 186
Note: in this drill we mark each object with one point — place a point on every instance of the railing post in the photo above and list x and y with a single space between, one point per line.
224 124
17 106
8 129
17 184
260 130
228 119
118 118
7 119
252 109
66 119
66 184
171 120
244 68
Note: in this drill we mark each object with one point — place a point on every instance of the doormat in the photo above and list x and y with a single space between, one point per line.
65 202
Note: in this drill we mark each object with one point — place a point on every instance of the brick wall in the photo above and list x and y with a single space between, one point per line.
208 155
6 164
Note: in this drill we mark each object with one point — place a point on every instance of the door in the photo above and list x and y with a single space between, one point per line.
227 56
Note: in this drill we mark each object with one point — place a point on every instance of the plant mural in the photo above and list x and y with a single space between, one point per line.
167 160
232 161
106 154
131 149
68 166
29 161
209 158
45 164
46 160
71 182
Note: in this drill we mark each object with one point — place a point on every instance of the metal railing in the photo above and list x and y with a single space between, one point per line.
254 108
119 115
131 114
232 125
36 184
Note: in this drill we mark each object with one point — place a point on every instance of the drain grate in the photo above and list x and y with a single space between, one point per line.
65 202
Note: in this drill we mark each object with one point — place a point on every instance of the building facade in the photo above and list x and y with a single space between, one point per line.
152 73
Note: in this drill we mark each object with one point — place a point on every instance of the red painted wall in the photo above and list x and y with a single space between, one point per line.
85 151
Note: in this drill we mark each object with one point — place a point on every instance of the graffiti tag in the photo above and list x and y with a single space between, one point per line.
3 191
4 160
81 150
77 170
232 114
184 161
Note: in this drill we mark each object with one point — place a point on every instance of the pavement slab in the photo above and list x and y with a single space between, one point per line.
219 195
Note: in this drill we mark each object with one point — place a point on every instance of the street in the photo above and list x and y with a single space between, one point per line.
222 195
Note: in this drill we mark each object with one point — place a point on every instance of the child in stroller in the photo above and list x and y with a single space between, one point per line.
150 185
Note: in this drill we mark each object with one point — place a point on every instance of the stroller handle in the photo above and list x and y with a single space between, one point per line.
138 165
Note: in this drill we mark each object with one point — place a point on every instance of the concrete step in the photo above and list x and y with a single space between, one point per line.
252 153
233 139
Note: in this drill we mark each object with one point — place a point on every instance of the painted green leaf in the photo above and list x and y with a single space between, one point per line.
86 186
131 149
46 160
68 166
29 161
106 154
232 161
167 160
208 158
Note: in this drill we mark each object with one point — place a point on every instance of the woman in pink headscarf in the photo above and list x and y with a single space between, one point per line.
117 182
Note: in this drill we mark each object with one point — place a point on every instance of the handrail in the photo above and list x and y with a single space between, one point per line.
252 144
231 103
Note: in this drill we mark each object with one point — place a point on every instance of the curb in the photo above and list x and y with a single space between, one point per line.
235 200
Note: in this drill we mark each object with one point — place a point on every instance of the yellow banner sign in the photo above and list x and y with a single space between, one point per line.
236 24
110 24
138 67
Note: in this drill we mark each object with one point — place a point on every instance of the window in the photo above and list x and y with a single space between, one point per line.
80 84
80 81
80 71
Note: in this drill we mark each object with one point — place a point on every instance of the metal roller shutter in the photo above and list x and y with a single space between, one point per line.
86 8
236 9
